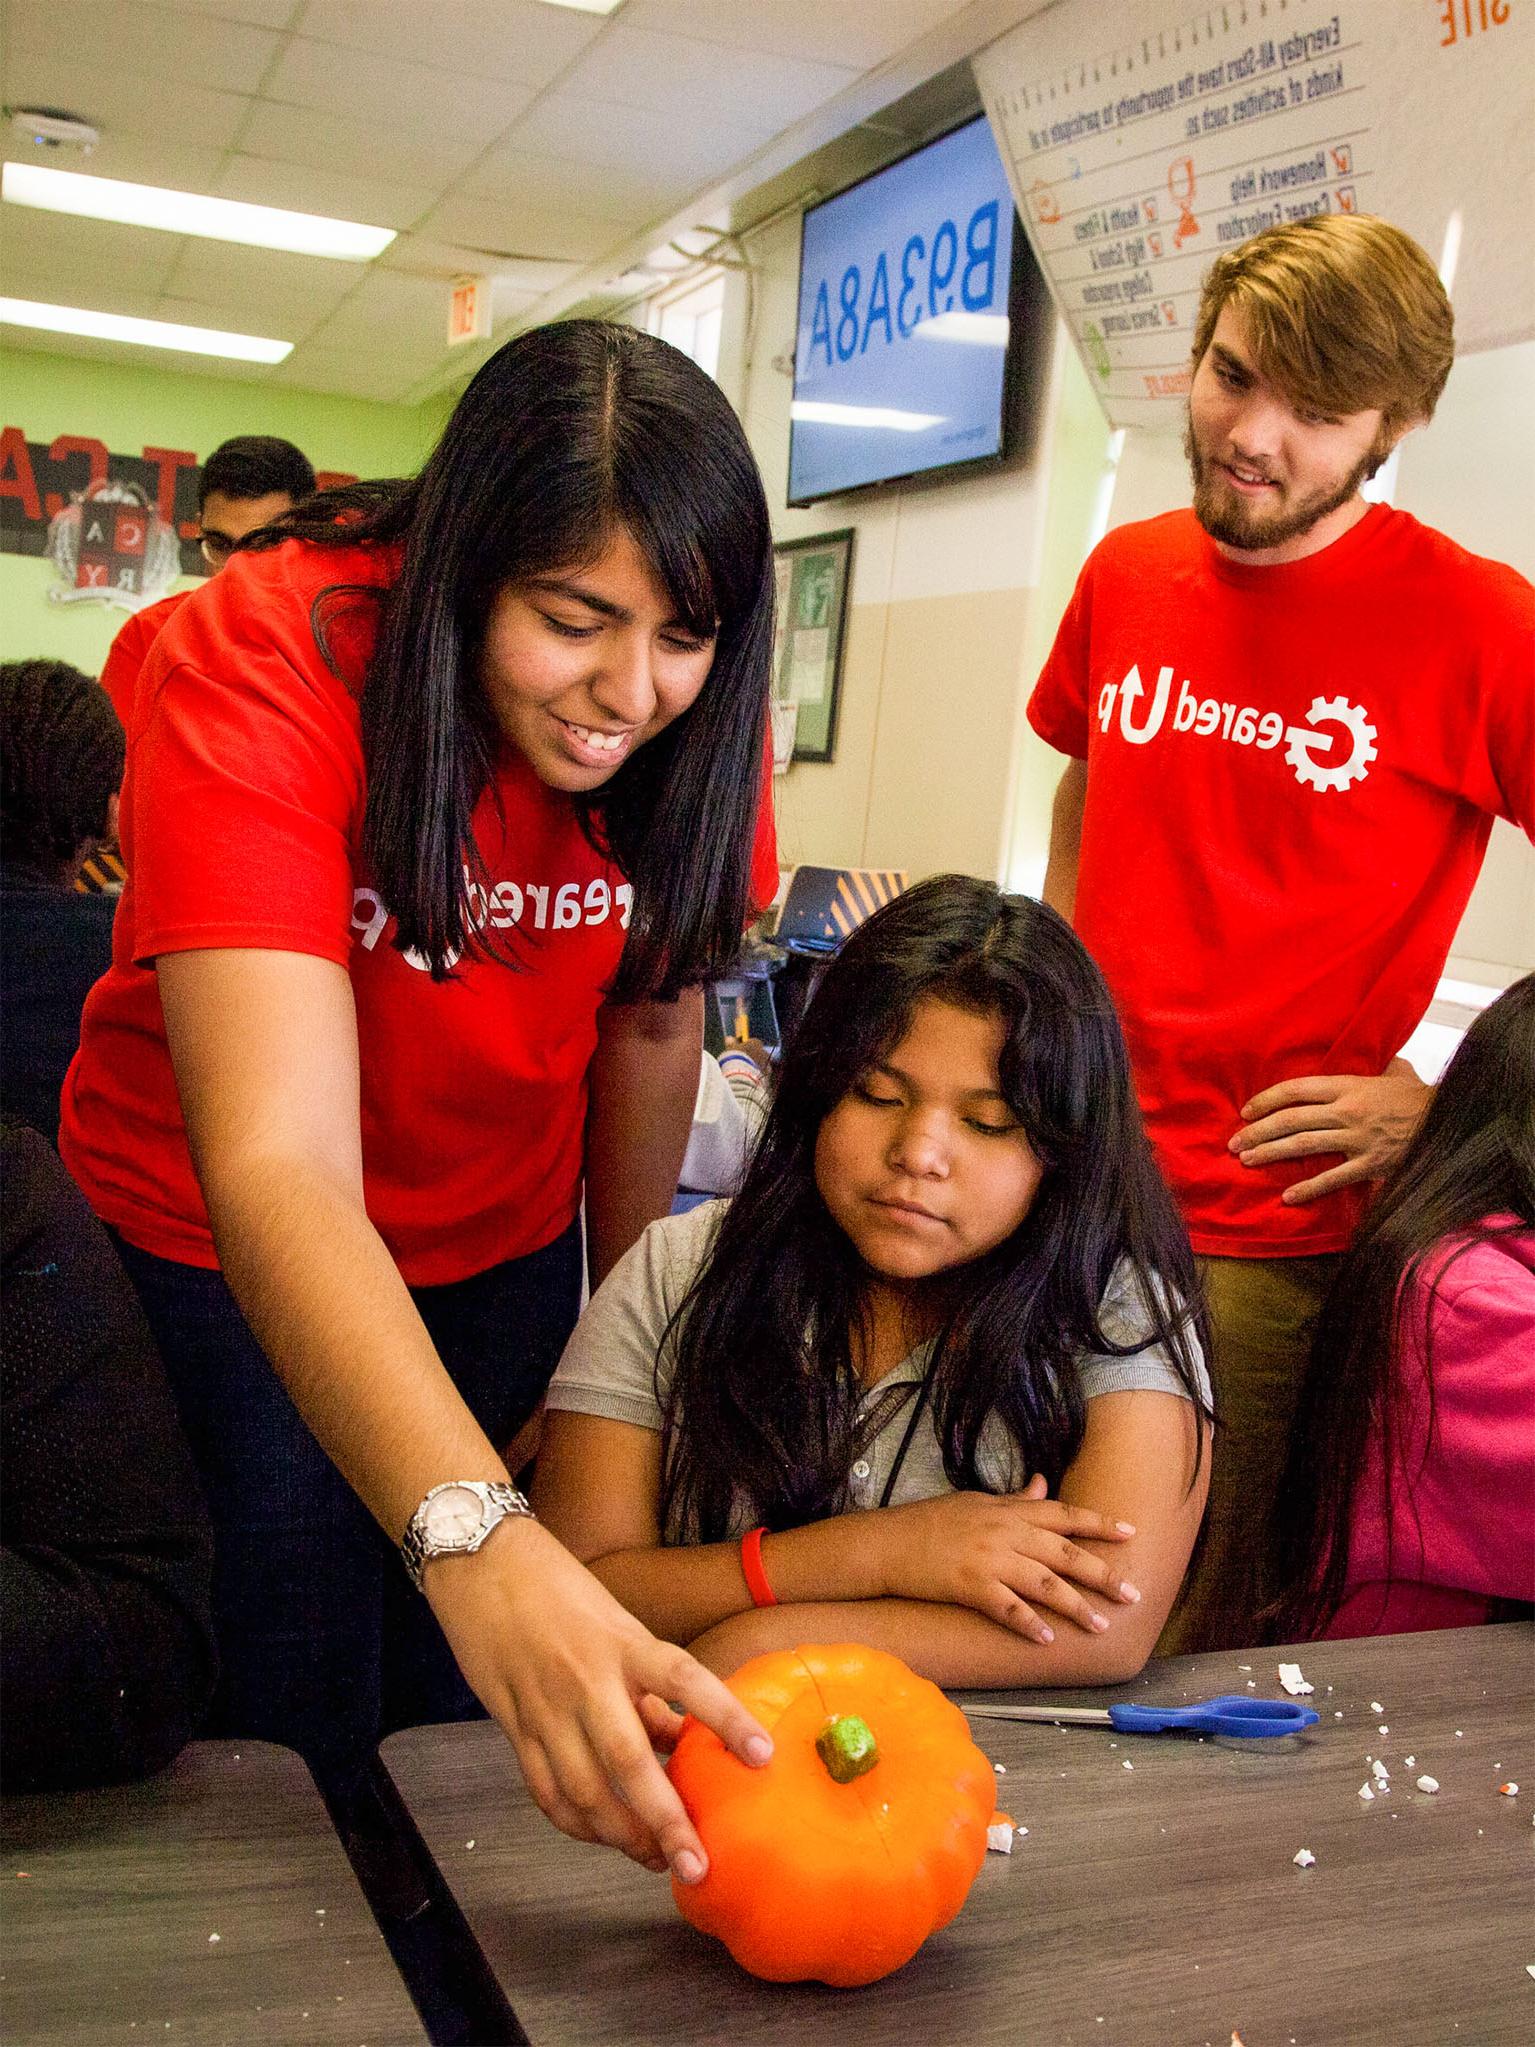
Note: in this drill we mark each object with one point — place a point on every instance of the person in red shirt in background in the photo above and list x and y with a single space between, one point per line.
1292 716
443 801
245 484
1409 1498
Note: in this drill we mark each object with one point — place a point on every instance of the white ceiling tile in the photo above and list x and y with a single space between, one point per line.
115 101
80 253
564 125
629 195
355 148
254 290
503 228
669 73
352 376
261 13
147 42
261 182
859 33
415 99
520 40
419 257
389 312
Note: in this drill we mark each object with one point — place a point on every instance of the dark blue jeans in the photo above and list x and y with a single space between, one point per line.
325 1644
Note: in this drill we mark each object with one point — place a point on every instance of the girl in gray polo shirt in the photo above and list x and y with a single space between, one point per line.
934 1379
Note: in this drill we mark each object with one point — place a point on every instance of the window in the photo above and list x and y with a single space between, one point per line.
690 316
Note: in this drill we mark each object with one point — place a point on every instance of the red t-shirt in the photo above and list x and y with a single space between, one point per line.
125 656
1291 775
243 810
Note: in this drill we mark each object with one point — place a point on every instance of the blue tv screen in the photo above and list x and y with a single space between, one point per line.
901 353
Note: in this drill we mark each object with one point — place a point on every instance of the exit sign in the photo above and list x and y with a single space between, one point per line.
469 310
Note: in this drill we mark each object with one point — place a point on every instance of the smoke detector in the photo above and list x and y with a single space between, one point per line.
54 128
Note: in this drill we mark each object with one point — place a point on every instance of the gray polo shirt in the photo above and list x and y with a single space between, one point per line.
609 1366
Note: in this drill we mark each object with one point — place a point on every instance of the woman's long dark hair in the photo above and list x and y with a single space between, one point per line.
763 1403
568 434
1471 1159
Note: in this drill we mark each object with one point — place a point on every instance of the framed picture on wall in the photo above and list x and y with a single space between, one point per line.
811 621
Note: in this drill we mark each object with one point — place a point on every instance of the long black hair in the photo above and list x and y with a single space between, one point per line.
568 434
1471 1159
763 1402
61 763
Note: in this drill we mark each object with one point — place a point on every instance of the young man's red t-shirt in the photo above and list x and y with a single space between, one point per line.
127 653
1291 775
243 810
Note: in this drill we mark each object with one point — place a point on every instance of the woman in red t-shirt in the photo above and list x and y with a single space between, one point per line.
440 808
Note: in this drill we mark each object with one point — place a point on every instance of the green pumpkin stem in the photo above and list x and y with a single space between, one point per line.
847 1747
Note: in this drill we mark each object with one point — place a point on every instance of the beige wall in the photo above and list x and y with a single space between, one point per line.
945 581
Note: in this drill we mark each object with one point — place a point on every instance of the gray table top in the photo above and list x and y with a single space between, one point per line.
1146 1907
108 1936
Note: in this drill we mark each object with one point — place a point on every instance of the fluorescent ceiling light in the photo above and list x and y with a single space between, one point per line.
814 413
143 333
979 330
190 213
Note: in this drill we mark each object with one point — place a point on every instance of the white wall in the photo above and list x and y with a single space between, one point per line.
944 578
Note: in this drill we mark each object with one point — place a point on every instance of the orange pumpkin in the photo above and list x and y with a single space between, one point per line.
860 1838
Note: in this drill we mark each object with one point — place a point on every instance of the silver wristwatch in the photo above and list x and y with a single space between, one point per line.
454 1519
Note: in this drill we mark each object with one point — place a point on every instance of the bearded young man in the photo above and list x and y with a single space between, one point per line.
1292 717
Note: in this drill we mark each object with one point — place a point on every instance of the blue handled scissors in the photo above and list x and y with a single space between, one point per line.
1235 1713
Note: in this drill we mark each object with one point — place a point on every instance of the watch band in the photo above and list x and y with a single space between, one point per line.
497 1500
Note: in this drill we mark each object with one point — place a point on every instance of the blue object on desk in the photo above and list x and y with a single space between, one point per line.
1234 1713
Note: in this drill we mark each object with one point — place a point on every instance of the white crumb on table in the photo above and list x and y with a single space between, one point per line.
1303 1859
999 1838
1000 1768
1408 1761
1508 1790
213 1937
1428 1783
1376 1706
1380 1773
1292 1680
1365 1791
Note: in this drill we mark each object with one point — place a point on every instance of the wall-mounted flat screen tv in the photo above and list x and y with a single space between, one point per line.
906 285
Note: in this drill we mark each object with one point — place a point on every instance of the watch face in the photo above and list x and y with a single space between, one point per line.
454 1516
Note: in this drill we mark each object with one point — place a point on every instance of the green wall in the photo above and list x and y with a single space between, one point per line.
133 406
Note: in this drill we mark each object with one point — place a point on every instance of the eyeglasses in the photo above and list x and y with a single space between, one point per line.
216 549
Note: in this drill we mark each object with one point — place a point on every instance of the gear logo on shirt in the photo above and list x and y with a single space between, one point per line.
1302 748
1332 750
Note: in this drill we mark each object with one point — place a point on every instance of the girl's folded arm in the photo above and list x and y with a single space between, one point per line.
1136 1459
598 1483
596 1487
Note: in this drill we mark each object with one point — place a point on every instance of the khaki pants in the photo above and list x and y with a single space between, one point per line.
1262 1311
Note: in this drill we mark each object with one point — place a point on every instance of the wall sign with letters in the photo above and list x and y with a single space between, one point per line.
118 528
1144 139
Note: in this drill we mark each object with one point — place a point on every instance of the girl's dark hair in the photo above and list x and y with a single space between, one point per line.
61 763
763 1404
1471 1159
568 434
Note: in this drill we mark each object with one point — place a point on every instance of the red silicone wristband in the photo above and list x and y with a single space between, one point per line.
752 1570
